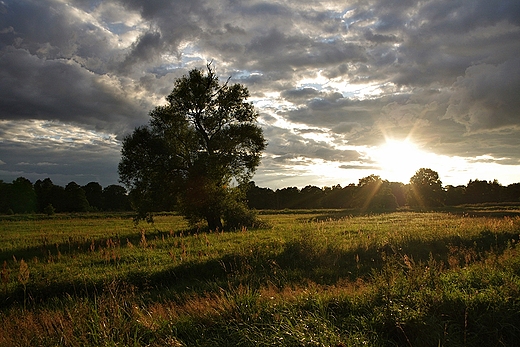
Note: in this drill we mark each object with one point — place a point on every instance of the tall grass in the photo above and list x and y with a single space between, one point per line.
407 279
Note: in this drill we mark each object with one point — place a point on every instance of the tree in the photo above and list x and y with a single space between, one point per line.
455 195
4 198
76 200
310 197
94 194
373 193
478 191
260 198
512 192
333 197
426 189
199 145
115 198
43 193
21 196
288 197
398 190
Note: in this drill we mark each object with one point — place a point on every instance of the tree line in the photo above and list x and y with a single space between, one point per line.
372 193
21 196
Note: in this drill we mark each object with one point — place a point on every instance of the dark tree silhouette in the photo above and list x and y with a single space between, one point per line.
76 201
455 195
21 196
198 144
373 193
311 197
512 192
94 195
4 202
478 191
426 189
260 198
398 190
115 198
287 197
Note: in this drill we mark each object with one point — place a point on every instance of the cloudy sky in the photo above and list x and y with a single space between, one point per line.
341 86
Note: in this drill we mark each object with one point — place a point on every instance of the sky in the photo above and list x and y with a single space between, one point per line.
344 89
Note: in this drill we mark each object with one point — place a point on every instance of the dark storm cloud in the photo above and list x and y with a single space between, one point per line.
61 89
147 47
379 38
339 72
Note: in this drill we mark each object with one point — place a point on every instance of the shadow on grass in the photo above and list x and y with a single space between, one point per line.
479 210
491 211
71 246
295 263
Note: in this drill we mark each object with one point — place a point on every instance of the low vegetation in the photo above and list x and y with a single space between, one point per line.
308 278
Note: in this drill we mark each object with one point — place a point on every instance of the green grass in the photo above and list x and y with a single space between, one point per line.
318 278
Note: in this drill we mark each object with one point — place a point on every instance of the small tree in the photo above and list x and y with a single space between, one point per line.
49 210
203 141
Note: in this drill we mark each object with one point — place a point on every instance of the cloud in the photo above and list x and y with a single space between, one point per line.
61 89
53 149
328 78
146 48
486 97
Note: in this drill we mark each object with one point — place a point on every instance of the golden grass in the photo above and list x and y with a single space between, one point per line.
393 278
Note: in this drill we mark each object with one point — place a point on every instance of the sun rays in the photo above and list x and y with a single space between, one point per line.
398 160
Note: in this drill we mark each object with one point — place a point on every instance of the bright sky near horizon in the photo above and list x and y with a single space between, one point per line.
344 89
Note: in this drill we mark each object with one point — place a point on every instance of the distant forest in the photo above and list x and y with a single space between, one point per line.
371 193
21 196
385 196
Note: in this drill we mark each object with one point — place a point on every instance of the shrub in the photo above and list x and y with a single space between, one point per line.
49 210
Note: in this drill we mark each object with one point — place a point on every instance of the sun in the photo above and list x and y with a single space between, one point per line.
399 160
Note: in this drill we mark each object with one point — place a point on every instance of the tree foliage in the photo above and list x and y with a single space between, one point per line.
375 193
76 198
52 198
94 194
426 189
193 149
21 196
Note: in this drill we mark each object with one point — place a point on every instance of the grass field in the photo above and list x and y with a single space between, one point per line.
312 278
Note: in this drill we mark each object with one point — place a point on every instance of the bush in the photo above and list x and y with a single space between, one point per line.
49 210
238 216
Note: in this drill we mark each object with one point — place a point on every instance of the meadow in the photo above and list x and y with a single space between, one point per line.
303 278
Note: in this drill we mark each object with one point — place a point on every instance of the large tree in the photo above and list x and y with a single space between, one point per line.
195 149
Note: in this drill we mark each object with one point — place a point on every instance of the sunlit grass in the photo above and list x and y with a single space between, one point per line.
318 278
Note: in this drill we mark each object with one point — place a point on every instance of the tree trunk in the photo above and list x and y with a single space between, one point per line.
214 221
